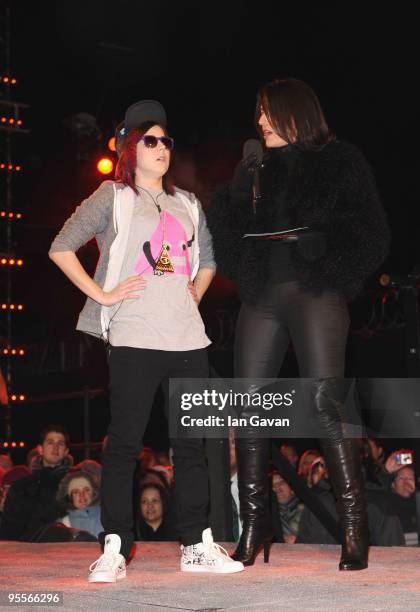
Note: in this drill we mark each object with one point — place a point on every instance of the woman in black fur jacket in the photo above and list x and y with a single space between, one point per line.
297 289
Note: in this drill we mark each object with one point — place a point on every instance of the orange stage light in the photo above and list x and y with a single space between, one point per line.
105 165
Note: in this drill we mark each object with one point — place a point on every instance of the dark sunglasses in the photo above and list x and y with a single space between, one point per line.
151 141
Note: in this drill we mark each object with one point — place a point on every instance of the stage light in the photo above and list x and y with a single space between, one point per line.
8 80
105 165
16 398
13 351
11 215
11 262
12 306
10 167
11 121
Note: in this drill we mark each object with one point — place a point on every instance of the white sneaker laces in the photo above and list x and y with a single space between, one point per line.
219 550
105 562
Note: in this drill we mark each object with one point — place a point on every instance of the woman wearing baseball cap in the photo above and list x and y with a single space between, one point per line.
156 262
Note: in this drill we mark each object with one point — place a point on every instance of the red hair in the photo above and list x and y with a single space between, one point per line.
125 172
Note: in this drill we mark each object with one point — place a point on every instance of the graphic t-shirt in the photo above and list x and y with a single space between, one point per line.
165 316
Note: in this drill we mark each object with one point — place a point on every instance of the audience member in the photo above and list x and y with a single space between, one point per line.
286 510
78 493
305 462
32 456
7 479
31 504
290 453
153 519
147 459
403 502
5 462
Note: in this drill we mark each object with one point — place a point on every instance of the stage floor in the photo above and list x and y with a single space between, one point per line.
298 577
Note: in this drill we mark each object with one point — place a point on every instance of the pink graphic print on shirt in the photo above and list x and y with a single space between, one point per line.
175 237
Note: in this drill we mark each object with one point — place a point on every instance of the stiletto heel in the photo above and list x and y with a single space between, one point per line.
253 457
344 465
266 551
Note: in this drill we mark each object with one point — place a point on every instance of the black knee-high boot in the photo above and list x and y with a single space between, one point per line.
253 456
344 465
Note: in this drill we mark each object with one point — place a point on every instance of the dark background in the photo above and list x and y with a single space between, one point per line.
204 61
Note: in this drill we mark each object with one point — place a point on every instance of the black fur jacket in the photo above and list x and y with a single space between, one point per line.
333 192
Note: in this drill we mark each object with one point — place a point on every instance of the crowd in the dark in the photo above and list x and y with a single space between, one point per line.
50 499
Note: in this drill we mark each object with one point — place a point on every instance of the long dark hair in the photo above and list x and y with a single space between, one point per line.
294 112
125 172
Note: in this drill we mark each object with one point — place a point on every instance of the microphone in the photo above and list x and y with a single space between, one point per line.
252 147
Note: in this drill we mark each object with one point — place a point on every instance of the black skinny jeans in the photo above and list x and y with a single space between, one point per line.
135 375
316 326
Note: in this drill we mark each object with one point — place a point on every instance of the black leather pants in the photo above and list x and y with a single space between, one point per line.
317 328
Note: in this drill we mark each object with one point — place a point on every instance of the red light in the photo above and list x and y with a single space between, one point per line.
22 398
19 122
6 79
5 351
11 215
11 120
21 352
105 165
6 444
13 444
13 81
2 214
18 168
19 216
111 144
3 119
21 444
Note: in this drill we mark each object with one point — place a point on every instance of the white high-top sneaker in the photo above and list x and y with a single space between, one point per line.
207 556
110 566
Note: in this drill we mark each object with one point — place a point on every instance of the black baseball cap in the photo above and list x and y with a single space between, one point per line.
135 115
